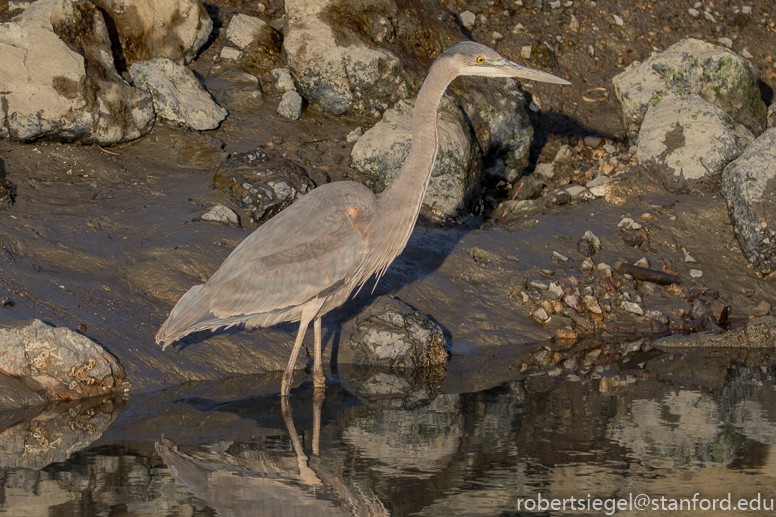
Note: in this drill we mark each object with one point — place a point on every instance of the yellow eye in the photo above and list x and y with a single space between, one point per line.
480 59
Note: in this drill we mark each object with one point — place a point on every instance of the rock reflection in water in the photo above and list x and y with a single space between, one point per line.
663 424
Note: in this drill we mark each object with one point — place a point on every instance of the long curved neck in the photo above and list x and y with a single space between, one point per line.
399 204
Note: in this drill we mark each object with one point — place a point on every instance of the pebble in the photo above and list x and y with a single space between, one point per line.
555 290
693 12
575 302
592 304
626 223
646 217
591 53
546 171
563 155
696 273
467 18
763 309
586 249
547 273
573 23
746 54
593 142
642 262
540 315
559 257
746 9
221 214
6 302
587 264
618 21
538 284
632 238
518 28
498 36
633 308
354 135
291 105
609 148
231 53
687 258
708 17
555 5
284 82
727 42
525 51
595 241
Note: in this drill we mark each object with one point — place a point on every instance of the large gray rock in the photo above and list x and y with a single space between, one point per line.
339 77
692 66
497 115
390 333
687 138
58 362
748 188
58 97
53 435
382 150
178 95
172 29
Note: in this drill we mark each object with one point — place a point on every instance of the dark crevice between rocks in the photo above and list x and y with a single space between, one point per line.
119 61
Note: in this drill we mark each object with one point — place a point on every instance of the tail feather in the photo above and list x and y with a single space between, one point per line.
189 313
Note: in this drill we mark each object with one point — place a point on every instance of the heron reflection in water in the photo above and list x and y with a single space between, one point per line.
308 259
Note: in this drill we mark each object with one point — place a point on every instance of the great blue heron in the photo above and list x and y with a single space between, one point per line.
309 258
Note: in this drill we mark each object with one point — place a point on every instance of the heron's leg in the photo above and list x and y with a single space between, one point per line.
319 379
305 472
318 396
288 375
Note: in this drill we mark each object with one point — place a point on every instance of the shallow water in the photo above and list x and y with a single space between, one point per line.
672 426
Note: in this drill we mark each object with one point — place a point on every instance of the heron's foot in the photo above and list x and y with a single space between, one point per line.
319 379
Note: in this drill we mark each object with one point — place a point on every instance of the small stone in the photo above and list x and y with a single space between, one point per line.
546 171
223 215
525 51
538 284
559 258
693 12
547 273
591 53
6 302
575 302
626 223
687 258
746 9
632 238
468 19
563 155
763 309
518 28
696 273
727 42
498 36
646 217
708 17
593 142
592 304
746 54
604 268
540 315
587 264
354 135
633 308
284 82
555 5
291 105
618 21
573 23
243 30
231 53
555 291
585 248
595 241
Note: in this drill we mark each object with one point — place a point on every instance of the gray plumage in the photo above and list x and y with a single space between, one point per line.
307 260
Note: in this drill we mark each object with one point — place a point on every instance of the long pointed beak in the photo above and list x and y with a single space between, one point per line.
511 69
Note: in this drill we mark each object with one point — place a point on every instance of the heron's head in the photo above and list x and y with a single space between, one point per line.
471 58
